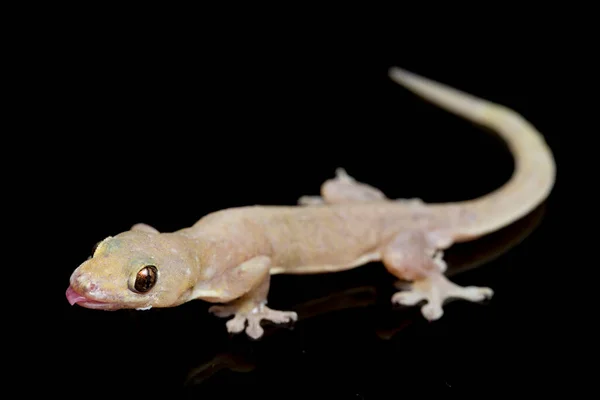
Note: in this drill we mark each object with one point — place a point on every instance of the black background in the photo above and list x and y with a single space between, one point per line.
164 125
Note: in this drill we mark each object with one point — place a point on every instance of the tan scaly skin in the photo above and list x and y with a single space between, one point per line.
229 256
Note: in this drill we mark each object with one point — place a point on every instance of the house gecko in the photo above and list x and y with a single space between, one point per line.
228 256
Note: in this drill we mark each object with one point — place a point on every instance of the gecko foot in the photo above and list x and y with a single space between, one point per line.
253 318
436 289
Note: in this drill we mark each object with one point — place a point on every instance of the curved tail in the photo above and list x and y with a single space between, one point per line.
535 168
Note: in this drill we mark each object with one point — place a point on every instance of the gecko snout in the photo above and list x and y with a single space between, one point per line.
83 289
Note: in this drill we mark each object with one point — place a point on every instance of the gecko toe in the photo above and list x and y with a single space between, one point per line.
472 293
236 324
310 200
222 311
432 311
407 298
254 330
281 317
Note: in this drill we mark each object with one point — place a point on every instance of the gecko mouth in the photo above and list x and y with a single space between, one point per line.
75 298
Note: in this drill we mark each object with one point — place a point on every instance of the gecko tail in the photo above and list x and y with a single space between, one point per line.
453 100
535 169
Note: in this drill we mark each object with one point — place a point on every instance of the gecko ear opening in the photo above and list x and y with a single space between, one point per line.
144 228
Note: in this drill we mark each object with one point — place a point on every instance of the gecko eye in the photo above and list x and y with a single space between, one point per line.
145 279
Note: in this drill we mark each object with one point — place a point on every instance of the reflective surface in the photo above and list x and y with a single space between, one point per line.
349 341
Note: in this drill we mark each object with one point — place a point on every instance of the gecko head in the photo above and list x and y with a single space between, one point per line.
133 270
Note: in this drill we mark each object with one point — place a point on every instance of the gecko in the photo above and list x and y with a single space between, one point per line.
227 258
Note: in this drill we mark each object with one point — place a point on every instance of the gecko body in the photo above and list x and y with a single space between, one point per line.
229 256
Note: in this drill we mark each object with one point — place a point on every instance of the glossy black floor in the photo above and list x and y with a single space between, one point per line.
166 142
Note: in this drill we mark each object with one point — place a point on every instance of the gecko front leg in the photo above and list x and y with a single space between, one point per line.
248 285
416 257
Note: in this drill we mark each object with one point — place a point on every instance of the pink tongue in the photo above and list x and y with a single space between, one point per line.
73 297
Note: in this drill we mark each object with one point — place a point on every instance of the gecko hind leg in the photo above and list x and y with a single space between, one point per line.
343 189
251 307
412 256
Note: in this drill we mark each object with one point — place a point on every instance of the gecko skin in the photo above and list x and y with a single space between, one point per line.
228 256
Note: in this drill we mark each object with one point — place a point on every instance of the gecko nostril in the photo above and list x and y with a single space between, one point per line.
90 286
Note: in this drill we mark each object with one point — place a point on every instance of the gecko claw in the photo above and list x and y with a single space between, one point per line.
436 290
